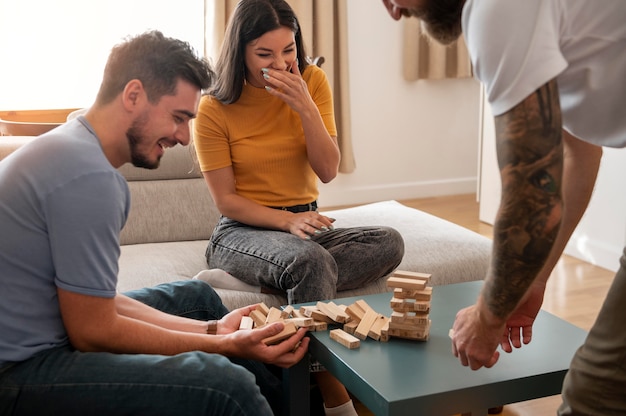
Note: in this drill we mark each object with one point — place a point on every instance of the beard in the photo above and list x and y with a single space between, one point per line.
441 19
136 138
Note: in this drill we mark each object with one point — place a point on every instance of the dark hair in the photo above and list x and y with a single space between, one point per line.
158 62
251 20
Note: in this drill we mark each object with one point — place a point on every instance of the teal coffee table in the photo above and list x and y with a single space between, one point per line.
403 377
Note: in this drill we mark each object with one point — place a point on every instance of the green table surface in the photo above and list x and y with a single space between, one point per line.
405 377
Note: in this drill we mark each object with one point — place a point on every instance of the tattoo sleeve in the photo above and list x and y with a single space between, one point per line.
530 157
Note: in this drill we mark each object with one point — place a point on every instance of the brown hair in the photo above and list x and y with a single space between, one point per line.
158 62
251 20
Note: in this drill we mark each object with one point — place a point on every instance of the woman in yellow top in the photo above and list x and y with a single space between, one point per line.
264 135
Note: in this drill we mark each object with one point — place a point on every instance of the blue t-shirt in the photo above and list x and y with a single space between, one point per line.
62 207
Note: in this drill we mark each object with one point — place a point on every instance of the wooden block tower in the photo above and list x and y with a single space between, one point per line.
410 304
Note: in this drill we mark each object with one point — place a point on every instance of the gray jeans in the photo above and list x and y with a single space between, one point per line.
307 270
596 381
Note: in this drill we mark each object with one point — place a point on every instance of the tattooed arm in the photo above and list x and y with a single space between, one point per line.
528 236
581 161
530 156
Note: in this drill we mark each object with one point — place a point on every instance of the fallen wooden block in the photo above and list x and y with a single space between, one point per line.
313 312
345 339
287 311
363 305
246 323
301 322
363 329
350 327
288 330
258 317
274 315
355 311
333 311
263 308
320 326
377 326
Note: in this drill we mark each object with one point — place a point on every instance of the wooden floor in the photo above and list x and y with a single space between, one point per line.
575 290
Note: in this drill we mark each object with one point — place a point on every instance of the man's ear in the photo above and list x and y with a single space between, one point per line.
133 95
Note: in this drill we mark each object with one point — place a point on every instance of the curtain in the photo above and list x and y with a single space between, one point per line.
325 33
424 58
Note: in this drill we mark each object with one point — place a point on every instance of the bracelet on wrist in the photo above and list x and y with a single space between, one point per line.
211 328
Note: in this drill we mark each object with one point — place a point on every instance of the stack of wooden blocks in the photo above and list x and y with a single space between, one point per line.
358 321
411 305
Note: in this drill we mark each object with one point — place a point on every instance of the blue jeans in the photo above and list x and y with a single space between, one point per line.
64 381
307 270
596 381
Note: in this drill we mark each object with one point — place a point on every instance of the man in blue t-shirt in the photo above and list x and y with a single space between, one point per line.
555 75
69 343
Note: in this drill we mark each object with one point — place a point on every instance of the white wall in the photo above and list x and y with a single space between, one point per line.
411 139
601 234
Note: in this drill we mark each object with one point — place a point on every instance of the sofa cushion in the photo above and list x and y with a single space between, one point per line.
171 203
145 265
448 252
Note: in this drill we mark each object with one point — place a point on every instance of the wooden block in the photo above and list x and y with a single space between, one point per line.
297 314
363 329
363 305
274 315
287 311
345 339
350 327
384 332
301 322
411 284
408 327
377 326
263 308
331 310
320 326
424 294
287 331
258 317
412 275
421 335
313 312
355 311
404 305
246 323
398 333
414 318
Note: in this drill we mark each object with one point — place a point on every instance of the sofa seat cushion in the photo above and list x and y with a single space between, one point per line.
448 252
150 264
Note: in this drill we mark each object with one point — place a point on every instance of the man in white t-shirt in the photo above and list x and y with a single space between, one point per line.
555 76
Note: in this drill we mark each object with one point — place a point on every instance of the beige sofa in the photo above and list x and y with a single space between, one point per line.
172 216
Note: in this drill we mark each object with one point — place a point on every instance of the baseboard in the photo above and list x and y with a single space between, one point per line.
595 252
351 195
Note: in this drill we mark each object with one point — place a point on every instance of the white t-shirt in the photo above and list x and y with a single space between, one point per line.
516 46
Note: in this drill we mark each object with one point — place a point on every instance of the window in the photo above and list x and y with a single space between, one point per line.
53 52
